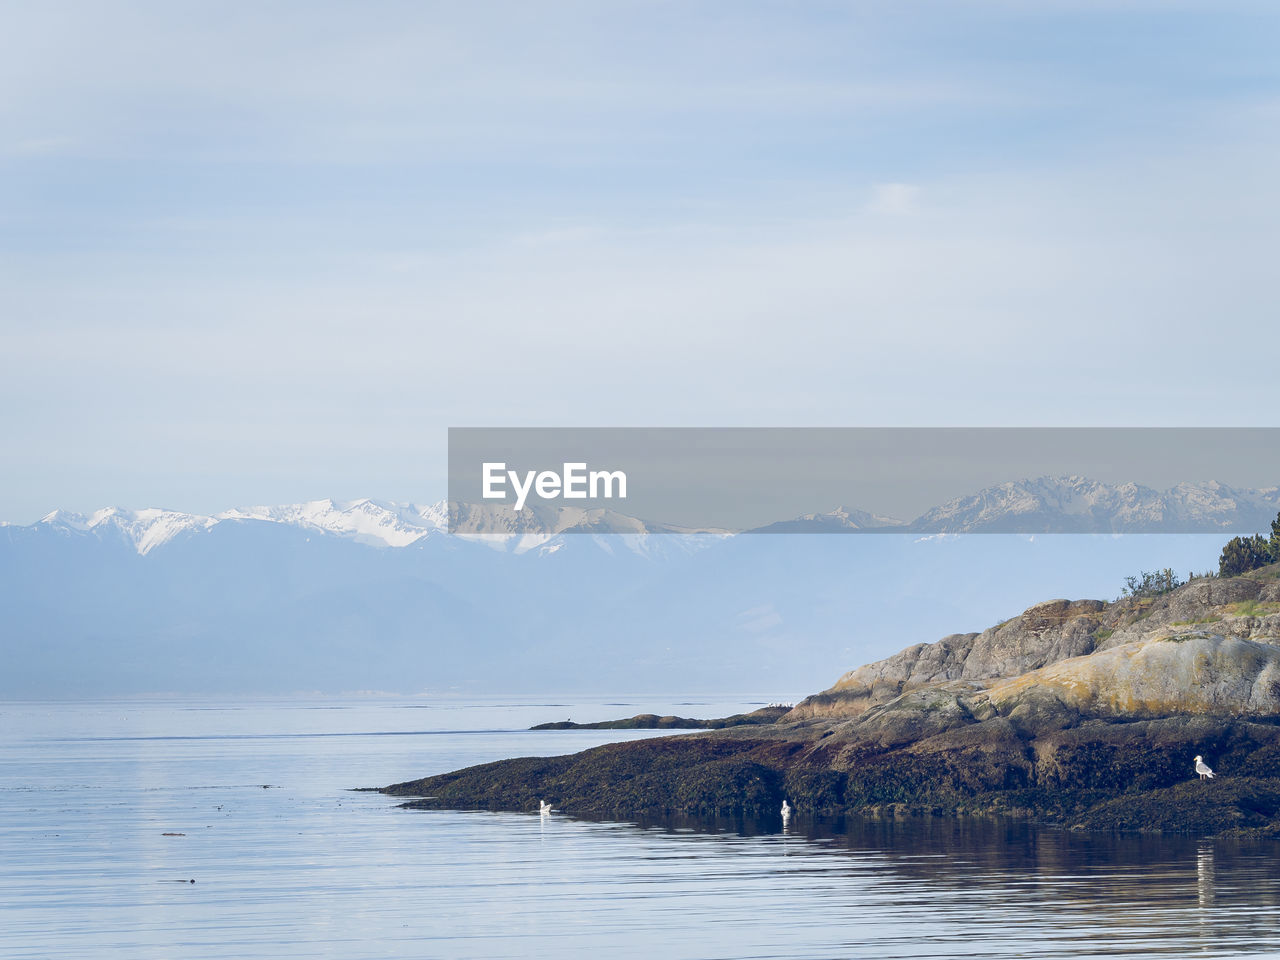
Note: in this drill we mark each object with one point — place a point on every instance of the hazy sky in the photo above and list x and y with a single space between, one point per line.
266 252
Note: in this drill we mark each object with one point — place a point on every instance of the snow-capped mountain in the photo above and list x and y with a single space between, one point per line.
378 523
145 529
547 521
839 520
1081 505
1071 504
1044 505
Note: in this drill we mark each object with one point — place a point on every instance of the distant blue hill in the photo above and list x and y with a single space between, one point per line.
252 605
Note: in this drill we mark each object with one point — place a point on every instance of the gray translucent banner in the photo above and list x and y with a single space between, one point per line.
548 480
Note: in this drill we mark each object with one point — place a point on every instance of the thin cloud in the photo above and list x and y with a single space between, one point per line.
895 199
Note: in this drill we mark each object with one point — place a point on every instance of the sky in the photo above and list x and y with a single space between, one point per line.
270 252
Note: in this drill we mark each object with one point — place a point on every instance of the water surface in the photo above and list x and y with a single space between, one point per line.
108 810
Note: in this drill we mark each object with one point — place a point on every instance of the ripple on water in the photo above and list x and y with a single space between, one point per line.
306 869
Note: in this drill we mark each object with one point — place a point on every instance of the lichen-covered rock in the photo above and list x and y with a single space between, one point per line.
1183 674
917 714
1247 607
1241 608
1044 634
880 682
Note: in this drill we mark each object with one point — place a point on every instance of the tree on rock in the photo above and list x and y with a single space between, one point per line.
1151 583
1244 554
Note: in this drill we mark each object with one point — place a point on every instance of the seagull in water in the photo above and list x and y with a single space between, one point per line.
786 811
544 808
1202 768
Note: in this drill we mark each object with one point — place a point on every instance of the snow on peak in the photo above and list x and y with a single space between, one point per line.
145 529
65 518
150 528
380 523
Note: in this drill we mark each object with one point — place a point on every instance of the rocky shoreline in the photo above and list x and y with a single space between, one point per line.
651 721
1083 714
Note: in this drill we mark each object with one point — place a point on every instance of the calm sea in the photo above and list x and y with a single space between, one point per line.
108 811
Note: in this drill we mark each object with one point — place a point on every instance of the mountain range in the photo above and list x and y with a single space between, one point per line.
1044 505
1067 505
371 595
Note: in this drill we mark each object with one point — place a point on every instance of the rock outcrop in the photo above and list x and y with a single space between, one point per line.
1240 608
1196 674
1078 712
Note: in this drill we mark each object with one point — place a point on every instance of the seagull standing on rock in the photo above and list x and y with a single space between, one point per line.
1202 768
786 811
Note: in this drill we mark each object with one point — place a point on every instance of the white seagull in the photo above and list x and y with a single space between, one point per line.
544 808
1202 768
786 811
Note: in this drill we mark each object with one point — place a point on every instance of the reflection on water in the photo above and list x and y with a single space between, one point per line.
1204 874
1002 888
95 829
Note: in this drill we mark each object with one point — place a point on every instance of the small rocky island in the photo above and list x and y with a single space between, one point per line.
1082 713
651 721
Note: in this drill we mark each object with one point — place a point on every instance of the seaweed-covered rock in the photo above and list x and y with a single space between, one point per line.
1098 775
1228 808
